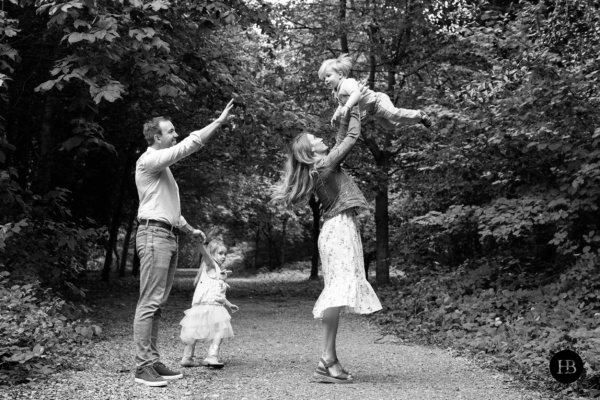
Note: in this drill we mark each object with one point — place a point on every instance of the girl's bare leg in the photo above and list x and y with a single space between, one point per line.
188 356
213 353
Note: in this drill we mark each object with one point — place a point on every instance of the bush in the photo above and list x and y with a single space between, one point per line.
40 240
520 319
39 332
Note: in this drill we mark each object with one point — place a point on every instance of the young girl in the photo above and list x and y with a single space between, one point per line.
309 169
346 91
208 319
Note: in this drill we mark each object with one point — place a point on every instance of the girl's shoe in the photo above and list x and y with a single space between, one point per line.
188 362
212 362
323 373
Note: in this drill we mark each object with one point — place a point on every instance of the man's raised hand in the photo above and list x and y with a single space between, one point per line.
197 233
225 117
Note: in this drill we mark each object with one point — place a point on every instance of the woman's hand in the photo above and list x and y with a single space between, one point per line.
345 111
335 119
225 117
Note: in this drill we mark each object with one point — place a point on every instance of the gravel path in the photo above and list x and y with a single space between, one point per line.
273 356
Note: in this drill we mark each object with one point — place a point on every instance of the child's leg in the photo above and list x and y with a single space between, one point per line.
213 353
215 346
187 360
391 117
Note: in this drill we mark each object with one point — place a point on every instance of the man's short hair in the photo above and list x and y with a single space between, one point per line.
152 127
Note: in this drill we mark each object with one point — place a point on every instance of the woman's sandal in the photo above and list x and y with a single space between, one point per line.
343 369
323 374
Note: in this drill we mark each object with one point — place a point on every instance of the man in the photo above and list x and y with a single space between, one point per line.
160 221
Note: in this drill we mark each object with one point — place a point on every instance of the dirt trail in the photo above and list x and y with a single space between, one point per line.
273 356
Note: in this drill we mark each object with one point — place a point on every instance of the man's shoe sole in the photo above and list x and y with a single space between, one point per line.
171 377
150 383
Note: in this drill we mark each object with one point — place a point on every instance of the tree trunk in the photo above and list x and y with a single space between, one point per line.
116 253
112 239
267 234
115 223
383 235
45 140
367 257
256 241
283 232
125 252
314 206
343 35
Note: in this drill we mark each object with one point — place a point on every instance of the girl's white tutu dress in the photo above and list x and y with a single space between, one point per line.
208 317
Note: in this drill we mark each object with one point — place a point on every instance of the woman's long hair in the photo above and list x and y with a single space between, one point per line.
297 182
213 248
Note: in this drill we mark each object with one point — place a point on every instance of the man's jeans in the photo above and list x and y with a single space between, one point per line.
158 250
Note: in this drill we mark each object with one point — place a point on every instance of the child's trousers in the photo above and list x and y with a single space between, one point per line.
390 117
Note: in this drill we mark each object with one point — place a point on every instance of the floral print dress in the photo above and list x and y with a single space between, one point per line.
342 261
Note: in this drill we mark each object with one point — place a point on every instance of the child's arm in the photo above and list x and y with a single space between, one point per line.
232 307
207 259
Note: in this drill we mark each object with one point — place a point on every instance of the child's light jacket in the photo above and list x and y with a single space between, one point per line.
346 87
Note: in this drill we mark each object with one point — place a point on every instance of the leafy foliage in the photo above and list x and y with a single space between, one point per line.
513 164
483 308
45 243
39 332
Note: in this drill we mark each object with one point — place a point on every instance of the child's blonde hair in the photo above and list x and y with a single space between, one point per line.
342 65
213 248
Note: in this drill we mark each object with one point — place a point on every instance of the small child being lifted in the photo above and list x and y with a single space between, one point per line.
348 94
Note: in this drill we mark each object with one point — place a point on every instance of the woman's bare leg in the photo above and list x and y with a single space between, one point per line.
331 319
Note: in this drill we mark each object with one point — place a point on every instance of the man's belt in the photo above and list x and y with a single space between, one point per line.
160 224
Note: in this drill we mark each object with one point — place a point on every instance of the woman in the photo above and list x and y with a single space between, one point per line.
309 169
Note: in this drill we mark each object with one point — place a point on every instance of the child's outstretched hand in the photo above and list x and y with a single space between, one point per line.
234 308
225 274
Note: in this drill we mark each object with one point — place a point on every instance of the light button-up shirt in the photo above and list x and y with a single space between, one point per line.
157 189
